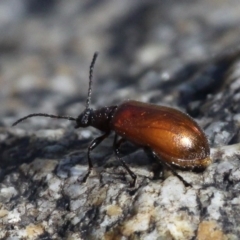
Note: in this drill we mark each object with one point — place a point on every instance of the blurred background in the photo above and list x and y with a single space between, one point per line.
146 48
180 53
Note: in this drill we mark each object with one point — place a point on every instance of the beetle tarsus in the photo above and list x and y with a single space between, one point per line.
133 183
87 175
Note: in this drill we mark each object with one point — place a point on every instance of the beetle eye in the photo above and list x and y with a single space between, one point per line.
83 120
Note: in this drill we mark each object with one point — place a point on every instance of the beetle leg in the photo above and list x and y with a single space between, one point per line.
93 144
116 145
158 168
164 164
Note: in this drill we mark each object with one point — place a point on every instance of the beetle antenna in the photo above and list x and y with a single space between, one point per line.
43 115
90 79
66 117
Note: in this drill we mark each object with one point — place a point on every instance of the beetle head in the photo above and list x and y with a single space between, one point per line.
83 120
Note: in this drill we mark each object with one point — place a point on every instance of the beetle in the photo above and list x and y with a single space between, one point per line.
167 134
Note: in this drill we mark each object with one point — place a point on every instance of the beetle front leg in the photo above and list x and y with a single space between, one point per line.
93 144
116 146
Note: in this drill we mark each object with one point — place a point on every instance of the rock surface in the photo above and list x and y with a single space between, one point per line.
184 54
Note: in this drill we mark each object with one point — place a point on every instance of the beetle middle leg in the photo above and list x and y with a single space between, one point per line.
152 154
93 144
116 145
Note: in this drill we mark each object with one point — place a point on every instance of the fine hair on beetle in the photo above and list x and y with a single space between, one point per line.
166 134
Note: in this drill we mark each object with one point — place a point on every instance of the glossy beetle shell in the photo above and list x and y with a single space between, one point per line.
174 136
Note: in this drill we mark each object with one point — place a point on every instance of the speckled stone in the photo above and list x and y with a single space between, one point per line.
183 54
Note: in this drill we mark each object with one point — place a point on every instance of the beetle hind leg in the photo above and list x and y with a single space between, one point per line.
152 154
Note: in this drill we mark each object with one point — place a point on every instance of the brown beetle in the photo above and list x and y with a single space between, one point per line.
171 136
